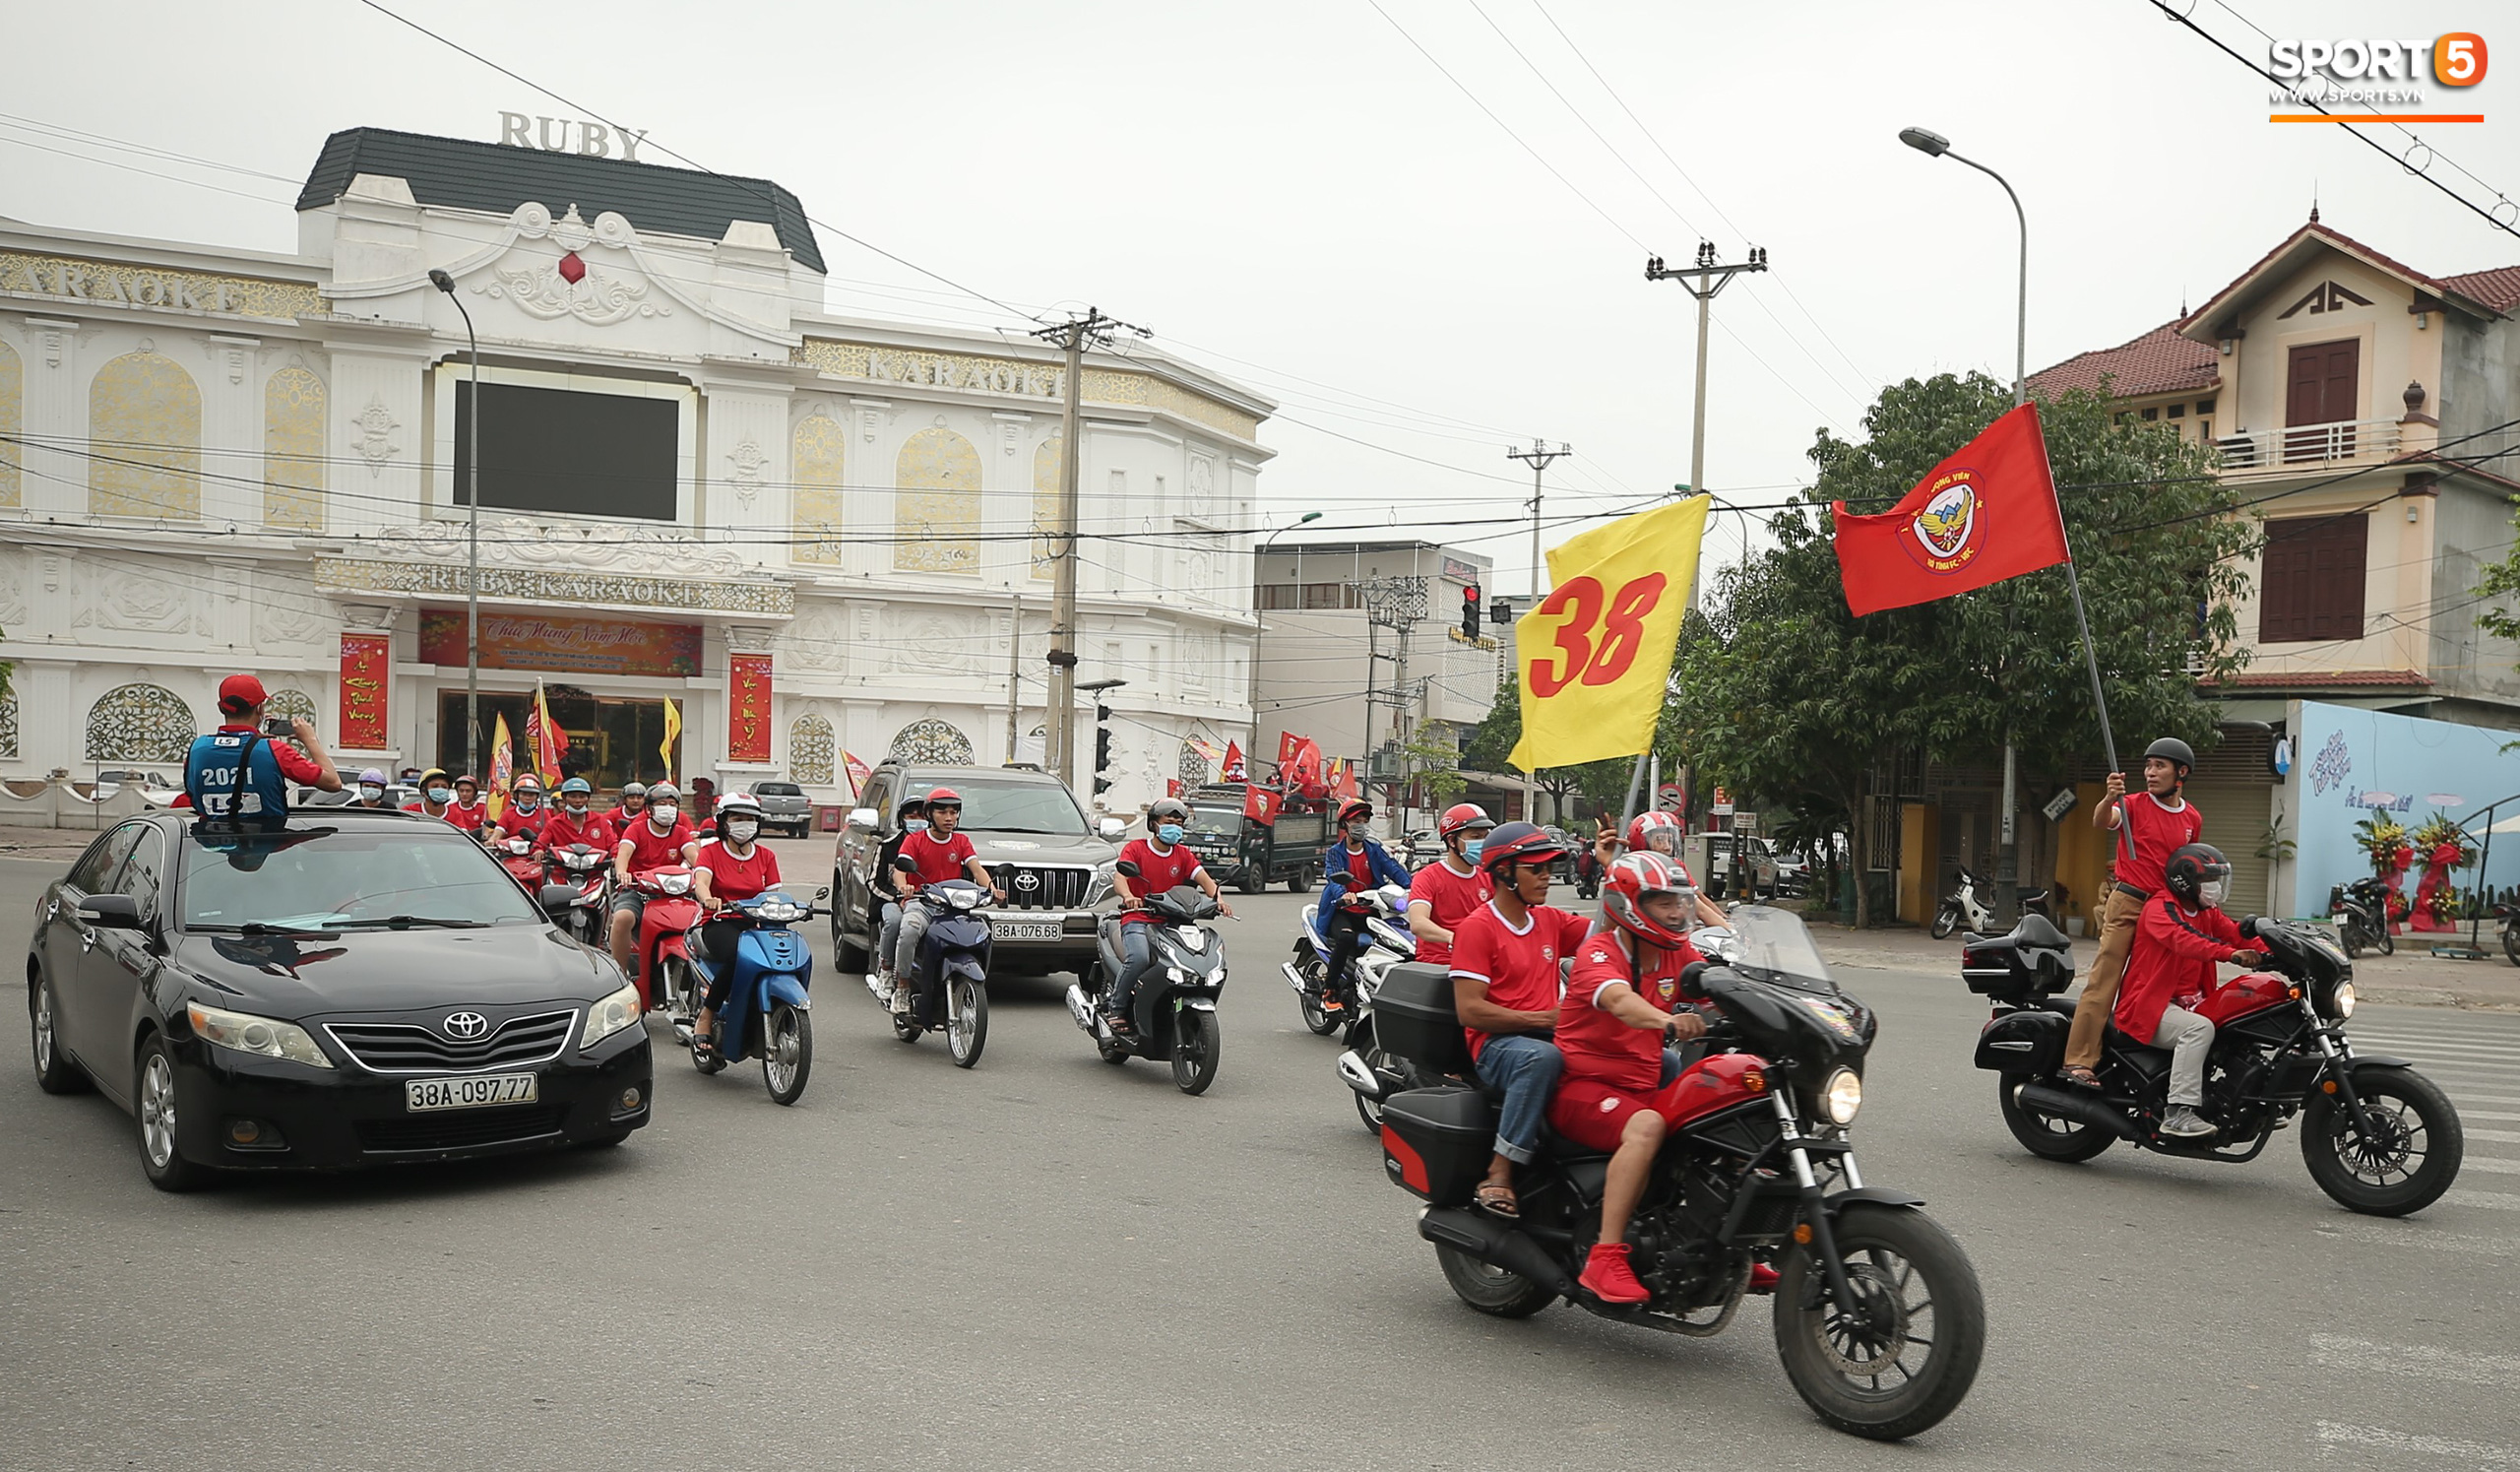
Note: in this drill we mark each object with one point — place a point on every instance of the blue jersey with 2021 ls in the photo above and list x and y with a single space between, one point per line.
210 777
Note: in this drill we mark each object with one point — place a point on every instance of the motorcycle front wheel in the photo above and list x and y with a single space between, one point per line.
2388 942
2411 1156
1905 1354
2511 943
787 1052
1197 1042
1491 1290
2351 936
1944 921
1316 1018
966 1020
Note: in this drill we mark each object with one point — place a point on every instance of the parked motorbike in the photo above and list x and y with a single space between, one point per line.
773 970
2378 1136
949 983
1972 905
1174 1010
2509 915
1879 1320
1328 1003
588 870
2361 910
664 951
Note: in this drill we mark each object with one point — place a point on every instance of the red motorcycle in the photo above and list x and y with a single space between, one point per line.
588 870
665 947
516 855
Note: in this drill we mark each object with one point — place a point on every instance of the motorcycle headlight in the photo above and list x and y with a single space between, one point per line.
2344 1001
964 899
242 1032
1842 1097
674 884
1193 940
609 1016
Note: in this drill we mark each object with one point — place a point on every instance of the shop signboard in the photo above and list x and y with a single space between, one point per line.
748 707
367 668
564 646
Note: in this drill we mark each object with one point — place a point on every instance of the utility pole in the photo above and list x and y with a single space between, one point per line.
1538 457
1703 280
1395 604
1014 679
1073 336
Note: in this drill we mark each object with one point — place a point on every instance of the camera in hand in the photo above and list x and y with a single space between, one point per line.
278 727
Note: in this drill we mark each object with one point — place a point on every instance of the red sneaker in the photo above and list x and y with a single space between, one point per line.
1763 1278
1607 1277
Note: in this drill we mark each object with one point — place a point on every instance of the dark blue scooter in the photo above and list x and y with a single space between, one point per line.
949 986
773 967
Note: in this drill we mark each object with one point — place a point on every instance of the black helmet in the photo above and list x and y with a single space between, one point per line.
2174 751
2198 875
1518 843
1167 807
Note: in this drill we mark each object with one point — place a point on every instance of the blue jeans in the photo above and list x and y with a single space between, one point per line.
1525 1069
1137 953
888 935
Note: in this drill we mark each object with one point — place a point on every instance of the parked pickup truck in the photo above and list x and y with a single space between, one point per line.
1253 856
1054 865
785 806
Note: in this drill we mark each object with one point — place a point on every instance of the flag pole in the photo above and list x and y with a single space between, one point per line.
2082 625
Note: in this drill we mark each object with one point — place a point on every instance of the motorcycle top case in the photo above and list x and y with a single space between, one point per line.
1414 1017
1436 1142
2033 960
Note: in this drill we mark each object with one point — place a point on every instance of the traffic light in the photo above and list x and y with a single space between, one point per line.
1469 612
1102 748
1500 610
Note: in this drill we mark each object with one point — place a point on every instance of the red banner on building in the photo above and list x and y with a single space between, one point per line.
563 645
748 707
367 668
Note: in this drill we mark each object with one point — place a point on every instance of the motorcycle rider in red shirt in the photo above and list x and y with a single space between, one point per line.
1655 831
2151 825
573 823
2182 935
1451 889
732 867
525 812
469 811
940 854
660 839
1163 861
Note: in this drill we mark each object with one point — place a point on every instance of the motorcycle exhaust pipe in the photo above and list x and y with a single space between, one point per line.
1358 1074
1495 1242
1294 977
1081 1009
2076 1105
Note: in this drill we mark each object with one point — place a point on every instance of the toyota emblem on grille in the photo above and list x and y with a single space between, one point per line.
464 1026
1027 879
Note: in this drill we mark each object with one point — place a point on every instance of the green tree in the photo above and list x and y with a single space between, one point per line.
1489 744
1430 752
1792 697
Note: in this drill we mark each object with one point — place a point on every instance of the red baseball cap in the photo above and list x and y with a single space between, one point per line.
239 693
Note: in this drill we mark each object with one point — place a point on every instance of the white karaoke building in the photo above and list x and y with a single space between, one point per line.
812 534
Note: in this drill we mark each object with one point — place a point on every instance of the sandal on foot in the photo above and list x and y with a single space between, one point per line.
2081 1077
1119 1025
1498 1201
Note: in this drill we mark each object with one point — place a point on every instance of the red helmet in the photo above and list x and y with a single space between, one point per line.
1634 877
1353 807
943 797
1518 843
1460 819
1654 830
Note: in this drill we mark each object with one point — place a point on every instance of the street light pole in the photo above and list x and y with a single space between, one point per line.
2008 846
1260 626
473 539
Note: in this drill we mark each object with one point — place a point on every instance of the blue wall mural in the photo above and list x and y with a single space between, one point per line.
2347 762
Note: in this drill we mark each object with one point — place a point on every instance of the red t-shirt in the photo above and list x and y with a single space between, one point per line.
593 830
294 764
1519 967
2157 831
2176 952
1361 870
1157 873
423 808
1450 899
528 823
1597 1044
732 878
650 849
937 862
470 819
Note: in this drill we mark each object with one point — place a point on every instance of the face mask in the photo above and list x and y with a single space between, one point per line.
440 795
661 818
2209 893
371 794
742 830
914 825
1171 833
528 805
1469 848
577 808
1357 828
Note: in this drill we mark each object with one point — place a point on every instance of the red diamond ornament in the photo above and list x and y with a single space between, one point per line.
572 270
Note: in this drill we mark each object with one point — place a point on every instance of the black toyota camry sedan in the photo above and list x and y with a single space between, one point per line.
358 988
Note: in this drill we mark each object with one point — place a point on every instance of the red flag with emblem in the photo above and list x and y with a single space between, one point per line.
1233 771
1987 514
1260 805
1288 742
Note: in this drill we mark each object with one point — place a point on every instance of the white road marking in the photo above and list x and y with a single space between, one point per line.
2474 1453
2417 1361
2490 1166
2489 1200
2496 1136
2421 1235
2479 1114
2466 1053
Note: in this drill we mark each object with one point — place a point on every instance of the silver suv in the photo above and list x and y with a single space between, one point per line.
784 805
1054 865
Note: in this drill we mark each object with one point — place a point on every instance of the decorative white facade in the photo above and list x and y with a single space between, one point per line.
215 460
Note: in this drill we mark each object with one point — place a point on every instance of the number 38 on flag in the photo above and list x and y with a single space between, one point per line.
1596 654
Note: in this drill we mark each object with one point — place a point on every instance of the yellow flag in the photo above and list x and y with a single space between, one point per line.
1596 653
673 732
502 767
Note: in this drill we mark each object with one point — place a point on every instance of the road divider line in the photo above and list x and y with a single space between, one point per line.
2417 1361
2474 1453
2488 1200
2421 1235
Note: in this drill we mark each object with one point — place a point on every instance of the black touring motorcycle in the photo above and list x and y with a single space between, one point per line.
1879 1316
2378 1136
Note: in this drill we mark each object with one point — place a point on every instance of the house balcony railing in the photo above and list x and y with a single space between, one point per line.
2346 442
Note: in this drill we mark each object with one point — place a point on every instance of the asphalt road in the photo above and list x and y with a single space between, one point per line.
1048 1262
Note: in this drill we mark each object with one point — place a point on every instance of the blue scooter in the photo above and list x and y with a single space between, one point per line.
772 966
948 981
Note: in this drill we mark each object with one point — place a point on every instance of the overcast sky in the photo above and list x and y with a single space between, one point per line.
1293 195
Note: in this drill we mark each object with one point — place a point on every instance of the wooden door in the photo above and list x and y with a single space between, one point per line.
2322 381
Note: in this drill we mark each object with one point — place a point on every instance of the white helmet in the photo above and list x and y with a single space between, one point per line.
664 791
738 802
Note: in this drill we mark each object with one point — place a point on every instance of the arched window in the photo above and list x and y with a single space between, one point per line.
143 423
9 723
811 747
138 722
293 450
932 741
936 503
1045 504
819 453
12 420
1192 767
